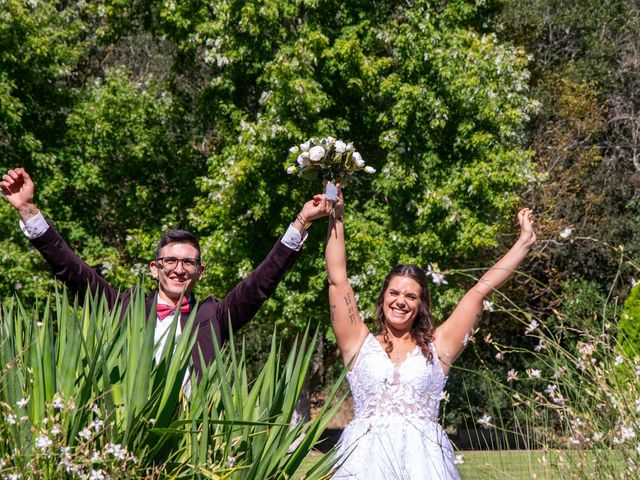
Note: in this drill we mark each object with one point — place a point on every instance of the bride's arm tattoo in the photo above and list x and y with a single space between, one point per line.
332 307
349 303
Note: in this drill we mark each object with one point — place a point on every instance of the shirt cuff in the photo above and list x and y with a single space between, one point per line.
34 227
293 239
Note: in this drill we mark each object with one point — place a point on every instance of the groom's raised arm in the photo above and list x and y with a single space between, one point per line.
18 188
242 303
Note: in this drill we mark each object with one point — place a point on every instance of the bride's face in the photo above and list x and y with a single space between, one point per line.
401 302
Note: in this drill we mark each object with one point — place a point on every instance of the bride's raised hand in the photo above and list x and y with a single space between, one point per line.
527 233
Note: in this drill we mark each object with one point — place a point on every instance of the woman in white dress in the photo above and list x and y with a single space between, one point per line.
397 377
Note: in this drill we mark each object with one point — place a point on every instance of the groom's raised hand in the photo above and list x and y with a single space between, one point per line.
319 207
18 188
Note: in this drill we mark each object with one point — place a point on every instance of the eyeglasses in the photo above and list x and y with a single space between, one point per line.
171 263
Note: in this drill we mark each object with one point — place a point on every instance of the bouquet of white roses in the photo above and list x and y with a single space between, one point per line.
327 159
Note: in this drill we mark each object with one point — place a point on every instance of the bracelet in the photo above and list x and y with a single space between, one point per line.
305 224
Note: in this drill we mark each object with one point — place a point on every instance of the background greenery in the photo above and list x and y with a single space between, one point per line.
139 116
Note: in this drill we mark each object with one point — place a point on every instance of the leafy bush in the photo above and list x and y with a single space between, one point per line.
629 326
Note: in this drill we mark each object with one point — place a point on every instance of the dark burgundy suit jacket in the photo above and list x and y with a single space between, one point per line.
239 305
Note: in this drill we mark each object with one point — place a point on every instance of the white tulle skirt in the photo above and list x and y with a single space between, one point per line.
390 448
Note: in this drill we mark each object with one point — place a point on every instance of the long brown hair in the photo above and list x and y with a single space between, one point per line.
422 328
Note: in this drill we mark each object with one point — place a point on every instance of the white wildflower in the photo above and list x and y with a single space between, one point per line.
532 326
11 419
566 233
85 434
512 375
541 345
500 356
22 402
58 402
43 442
96 425
231 461
534 373
618 360
627 433
487 305
55 429
586 349
96 475
485 420
436 277
116 450
458 459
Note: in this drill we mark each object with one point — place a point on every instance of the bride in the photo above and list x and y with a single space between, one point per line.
397 377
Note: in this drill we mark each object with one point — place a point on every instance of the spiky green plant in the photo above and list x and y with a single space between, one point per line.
84 395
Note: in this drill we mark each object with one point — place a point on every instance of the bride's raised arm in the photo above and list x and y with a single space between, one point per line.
451 336
345 319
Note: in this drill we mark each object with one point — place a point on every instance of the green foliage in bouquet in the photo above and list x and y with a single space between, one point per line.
327 159
81 396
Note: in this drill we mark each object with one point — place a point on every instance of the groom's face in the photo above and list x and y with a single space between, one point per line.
176 270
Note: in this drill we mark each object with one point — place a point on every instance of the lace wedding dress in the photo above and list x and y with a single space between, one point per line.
395 432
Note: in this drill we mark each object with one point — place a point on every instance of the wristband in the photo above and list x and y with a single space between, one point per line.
305 224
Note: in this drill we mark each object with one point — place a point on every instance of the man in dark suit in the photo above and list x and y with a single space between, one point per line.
177 267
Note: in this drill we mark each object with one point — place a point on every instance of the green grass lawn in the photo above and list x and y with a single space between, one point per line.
530 464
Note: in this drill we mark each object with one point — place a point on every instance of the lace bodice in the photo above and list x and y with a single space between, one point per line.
379 388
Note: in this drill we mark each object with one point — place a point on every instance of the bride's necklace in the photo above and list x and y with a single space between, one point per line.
401 350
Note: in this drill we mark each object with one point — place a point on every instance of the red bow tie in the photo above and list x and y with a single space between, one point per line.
163 310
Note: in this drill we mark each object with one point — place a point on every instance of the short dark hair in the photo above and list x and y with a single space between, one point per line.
178 236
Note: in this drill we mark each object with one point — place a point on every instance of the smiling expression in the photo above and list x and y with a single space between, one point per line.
171 284
401 302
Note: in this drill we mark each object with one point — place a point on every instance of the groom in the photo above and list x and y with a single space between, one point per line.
177 267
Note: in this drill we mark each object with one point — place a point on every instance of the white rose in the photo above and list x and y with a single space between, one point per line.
349 147
305 146
294 149
369 169
316 153
291 170
303 160
357 158
341 147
